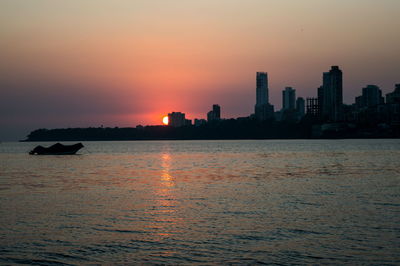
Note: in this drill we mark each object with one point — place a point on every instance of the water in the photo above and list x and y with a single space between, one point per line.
202 202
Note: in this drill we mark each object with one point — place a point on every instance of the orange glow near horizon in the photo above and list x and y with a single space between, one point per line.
165 120
129 63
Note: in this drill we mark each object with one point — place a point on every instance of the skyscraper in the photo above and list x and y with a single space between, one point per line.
214 114
217 111
262 88
332 94
263 110
300 107
288 98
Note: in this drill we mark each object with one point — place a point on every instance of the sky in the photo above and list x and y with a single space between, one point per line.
122 63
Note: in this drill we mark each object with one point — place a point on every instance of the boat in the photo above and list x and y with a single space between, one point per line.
57 149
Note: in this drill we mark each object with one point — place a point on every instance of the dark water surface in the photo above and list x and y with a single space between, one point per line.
202 202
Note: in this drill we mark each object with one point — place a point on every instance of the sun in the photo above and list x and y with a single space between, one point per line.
165 120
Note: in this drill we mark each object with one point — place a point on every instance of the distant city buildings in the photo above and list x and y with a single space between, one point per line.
313 107
200 122
261 88
328 105
371 96
300 107
288 98
319 100
394 97
262 110
177 119
214 114
326 108
292 109
332 94
393 106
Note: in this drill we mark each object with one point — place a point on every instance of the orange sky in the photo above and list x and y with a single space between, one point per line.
123 63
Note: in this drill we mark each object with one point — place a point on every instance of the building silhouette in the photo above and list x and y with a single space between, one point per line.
300 107
176 119
393 105
371 96
313 107
332 94
214 114
394 97
199 122
262 88
262 110
288 98
320 98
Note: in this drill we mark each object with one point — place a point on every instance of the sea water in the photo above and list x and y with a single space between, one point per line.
202 202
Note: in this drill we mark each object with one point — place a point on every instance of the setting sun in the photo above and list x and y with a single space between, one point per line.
165 120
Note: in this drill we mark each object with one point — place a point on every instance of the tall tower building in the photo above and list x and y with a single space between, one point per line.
214 114
262 88
263 110
332 94
217 111
288 98
300 106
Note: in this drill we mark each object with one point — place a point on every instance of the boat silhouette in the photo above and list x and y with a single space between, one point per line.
57 149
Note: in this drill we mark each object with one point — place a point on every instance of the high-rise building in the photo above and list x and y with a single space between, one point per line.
320 97
300 106
210 116
217 111
313 107
263 110
288 98
214 114
262 88
394 97
393 105
371 96
332 94
176 119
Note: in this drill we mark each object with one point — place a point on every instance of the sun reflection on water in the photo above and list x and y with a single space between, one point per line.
166 177
166 204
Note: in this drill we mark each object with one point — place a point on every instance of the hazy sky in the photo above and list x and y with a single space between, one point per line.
122 63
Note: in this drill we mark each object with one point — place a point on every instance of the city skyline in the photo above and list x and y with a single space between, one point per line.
327 105
74 64
288 94
199 132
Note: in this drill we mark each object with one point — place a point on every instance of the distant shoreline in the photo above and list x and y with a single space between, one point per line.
223 130
117 140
